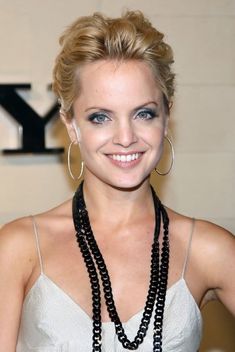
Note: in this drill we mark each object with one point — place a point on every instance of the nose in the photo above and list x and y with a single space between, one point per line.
125 134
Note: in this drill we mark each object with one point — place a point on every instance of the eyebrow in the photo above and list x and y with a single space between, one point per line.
110 111
145 104
98 108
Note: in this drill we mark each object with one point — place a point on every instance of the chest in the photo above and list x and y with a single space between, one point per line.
127 254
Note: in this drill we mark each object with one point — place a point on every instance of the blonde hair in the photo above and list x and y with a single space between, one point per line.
97 37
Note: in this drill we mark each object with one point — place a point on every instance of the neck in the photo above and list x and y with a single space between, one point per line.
114 205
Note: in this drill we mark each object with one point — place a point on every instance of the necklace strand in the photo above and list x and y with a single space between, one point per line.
158 277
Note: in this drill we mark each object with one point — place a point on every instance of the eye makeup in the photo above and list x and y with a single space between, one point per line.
142 112
98 118
147 114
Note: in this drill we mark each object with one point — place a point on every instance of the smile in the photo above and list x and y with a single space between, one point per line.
126 158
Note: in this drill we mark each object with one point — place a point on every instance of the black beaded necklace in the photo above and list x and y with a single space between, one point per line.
94 260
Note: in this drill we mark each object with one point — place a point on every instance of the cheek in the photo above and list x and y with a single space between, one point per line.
93 139
153 136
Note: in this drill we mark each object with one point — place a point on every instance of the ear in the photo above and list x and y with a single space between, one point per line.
69 124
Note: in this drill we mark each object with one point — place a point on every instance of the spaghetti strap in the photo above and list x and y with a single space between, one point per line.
188 248
35 228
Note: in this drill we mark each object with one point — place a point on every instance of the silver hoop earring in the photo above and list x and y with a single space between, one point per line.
69 164
172 159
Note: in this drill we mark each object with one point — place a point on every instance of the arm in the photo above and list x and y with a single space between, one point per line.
15 269
218 261
225 275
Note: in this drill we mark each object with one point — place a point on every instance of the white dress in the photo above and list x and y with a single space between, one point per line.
52 322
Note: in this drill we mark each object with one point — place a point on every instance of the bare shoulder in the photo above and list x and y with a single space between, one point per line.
17 240
180 226
16 243
206 234
214 240
215 247
212 244
55 223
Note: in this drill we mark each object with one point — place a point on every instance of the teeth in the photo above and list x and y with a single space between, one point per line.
126 158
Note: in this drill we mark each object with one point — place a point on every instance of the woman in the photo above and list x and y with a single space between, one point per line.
104 256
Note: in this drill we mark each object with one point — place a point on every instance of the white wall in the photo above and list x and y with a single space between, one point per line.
202 35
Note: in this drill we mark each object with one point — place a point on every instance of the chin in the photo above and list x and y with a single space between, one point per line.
128 185
121 182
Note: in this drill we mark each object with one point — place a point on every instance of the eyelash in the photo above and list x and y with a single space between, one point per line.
150 112
93 118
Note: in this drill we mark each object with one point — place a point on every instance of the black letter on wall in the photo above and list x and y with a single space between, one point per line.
33 125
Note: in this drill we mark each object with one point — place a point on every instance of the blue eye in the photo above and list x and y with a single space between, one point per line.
98 118
146 114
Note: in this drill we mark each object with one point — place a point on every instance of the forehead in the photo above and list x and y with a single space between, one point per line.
110 79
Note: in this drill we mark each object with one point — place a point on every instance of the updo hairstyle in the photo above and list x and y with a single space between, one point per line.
97 37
